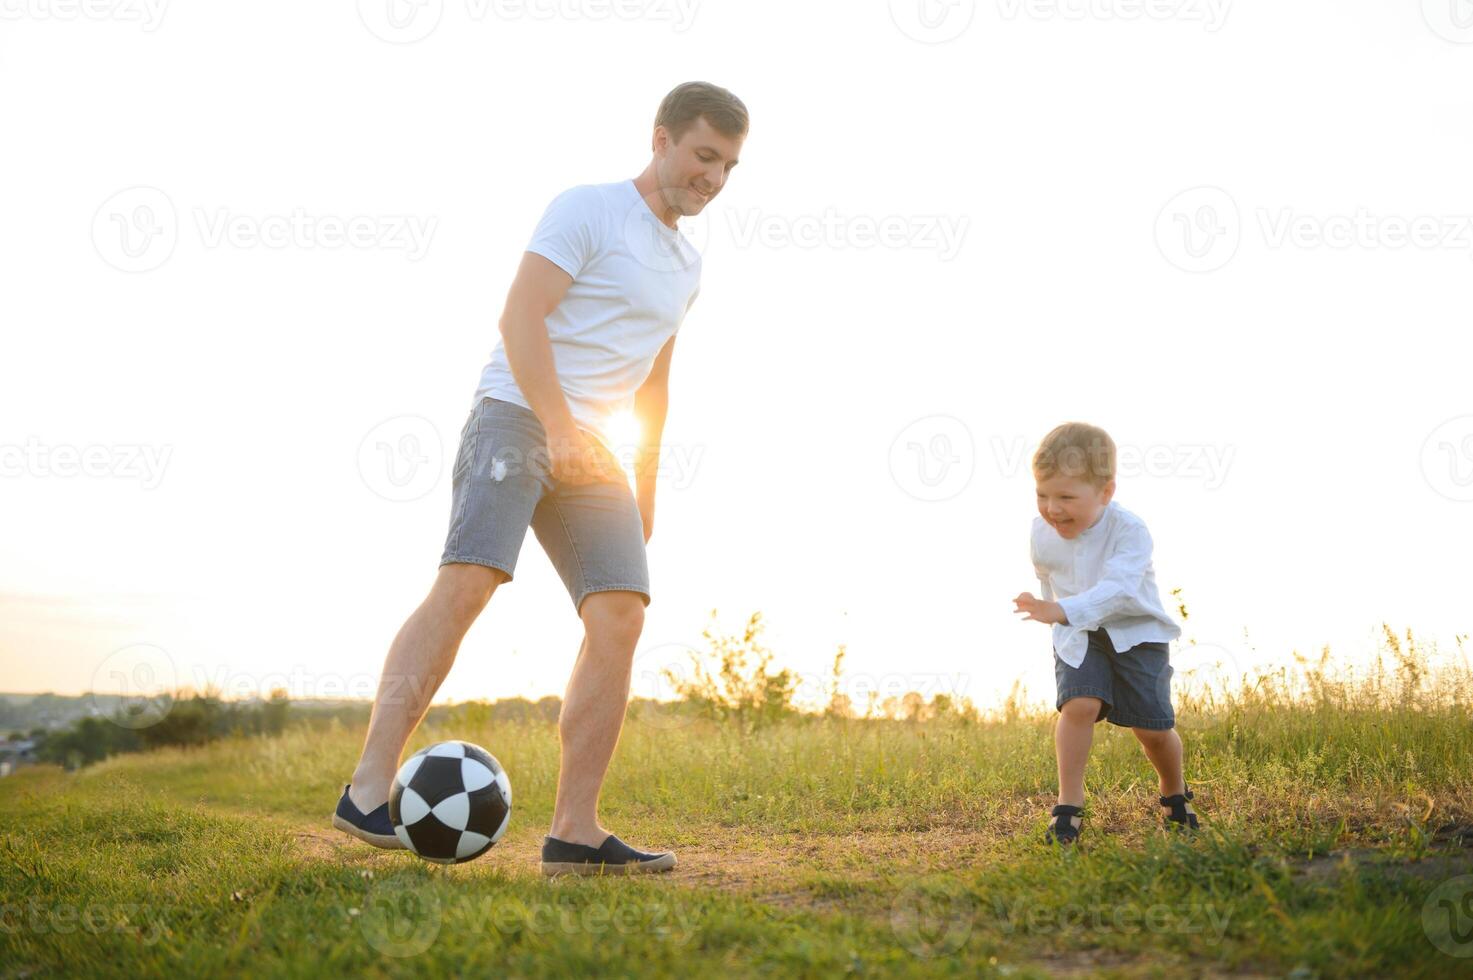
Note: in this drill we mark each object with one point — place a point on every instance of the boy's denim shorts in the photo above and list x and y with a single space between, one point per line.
1135 686
502 484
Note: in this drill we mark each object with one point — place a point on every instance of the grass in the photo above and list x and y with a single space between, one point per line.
1338 813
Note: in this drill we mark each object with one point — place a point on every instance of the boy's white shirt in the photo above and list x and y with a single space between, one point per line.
1102 578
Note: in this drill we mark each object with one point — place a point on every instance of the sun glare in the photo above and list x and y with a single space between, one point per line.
623 430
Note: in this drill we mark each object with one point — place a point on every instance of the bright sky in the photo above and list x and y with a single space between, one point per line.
1237 235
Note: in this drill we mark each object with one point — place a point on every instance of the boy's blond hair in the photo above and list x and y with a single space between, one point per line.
1076 450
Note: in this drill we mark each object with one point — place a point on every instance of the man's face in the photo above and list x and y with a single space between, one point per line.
693 171
1071 505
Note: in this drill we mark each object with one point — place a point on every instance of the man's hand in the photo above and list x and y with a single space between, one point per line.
651 402
1039 610
647 511
576 457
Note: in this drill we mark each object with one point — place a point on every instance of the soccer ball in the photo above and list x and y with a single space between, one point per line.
450 802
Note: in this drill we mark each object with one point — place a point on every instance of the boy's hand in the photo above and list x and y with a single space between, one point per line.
1039 610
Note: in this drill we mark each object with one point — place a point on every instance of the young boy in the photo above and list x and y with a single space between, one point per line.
1110 633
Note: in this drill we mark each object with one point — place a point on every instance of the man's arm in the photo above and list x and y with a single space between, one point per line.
651 402
535 292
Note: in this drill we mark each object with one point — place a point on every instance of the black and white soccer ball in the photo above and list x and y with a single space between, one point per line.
450 802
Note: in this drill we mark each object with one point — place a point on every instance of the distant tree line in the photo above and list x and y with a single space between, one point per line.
192 719
185 720
25 712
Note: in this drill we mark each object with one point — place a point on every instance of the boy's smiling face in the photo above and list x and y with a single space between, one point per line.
1070 504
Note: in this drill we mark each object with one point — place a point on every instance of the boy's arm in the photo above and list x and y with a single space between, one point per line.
1115 593
651 403
1044 610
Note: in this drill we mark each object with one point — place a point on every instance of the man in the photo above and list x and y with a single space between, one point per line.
588 333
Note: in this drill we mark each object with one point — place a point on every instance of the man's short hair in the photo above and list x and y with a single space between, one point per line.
690 101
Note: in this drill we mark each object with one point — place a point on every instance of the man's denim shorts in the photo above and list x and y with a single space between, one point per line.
1135 686
502 484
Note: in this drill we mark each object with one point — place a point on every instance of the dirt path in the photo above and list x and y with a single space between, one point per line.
773 868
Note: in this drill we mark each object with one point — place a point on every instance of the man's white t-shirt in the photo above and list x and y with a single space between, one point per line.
634 279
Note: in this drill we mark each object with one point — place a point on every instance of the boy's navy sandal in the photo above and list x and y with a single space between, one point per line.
1061 828
612 857
1179 814
374 828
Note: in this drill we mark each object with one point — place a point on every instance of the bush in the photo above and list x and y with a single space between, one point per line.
732 681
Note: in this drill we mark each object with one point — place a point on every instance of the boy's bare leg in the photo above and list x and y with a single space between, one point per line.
418 661
1164 750
1073 735
593 711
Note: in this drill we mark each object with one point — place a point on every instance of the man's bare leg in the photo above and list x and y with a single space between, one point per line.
418 661
593 711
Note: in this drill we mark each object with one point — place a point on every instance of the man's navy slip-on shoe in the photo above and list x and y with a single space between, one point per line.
612 857
375 828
